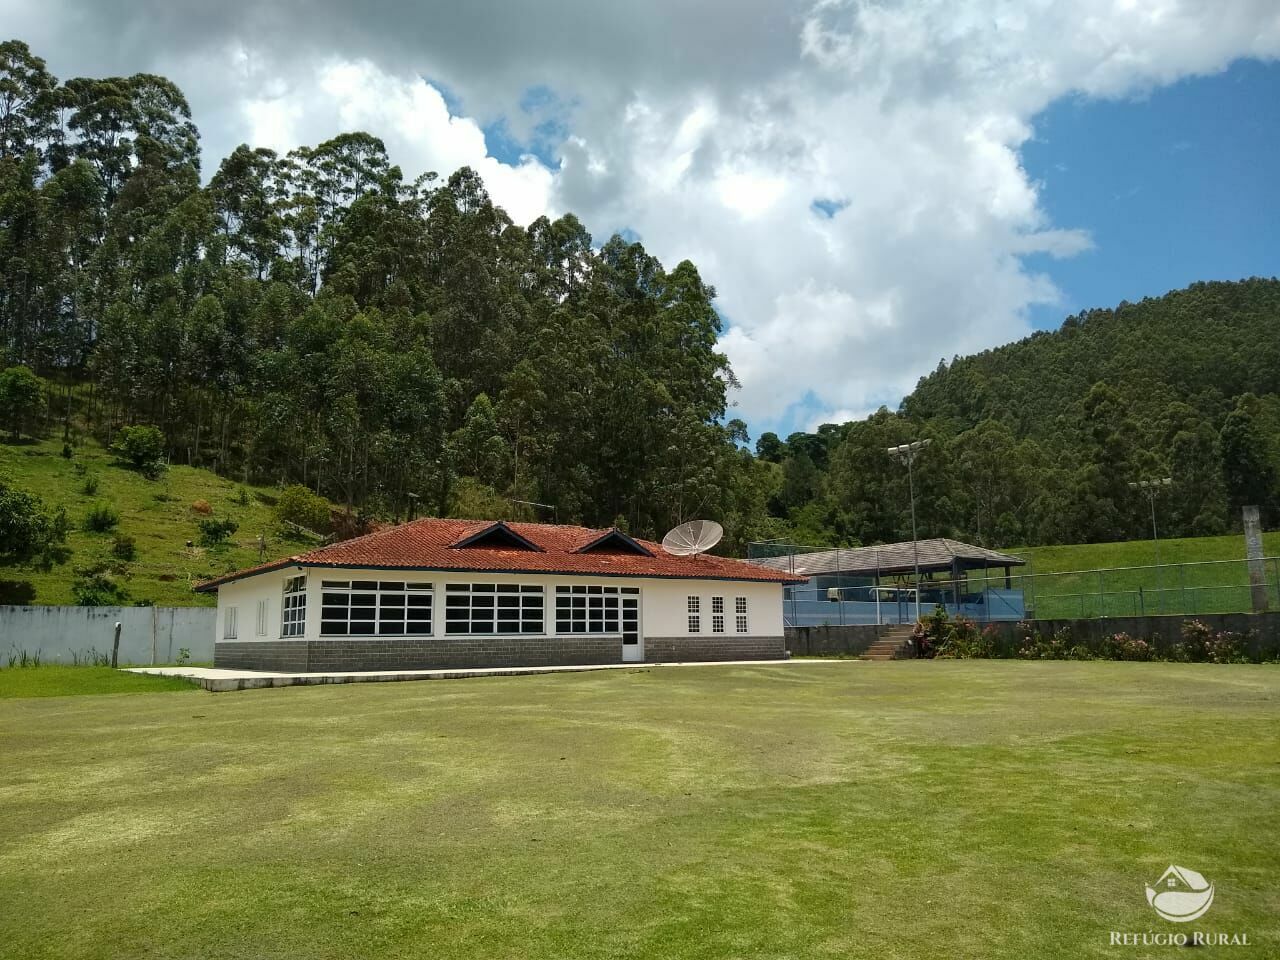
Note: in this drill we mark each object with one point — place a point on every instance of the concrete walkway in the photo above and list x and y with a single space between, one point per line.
218 681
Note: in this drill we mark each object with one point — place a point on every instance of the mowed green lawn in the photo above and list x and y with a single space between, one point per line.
916 809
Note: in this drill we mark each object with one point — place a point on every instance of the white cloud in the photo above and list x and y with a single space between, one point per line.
710 130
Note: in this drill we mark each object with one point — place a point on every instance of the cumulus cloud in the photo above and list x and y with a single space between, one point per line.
712 130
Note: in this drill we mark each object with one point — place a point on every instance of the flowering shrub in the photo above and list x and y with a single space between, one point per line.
1121 646
1200 643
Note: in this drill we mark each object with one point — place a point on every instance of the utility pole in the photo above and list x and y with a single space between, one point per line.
907 453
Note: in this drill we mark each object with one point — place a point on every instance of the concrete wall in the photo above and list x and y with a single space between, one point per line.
148 634
834 641
1164 632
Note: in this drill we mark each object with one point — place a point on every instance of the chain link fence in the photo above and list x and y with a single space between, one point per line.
984 595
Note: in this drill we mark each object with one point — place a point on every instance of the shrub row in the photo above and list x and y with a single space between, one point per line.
938 636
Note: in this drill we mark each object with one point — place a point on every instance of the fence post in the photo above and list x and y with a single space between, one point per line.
1102 597
839 588
115 647
1182 585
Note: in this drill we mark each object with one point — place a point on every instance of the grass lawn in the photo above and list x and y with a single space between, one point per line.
914 809
156 513
52 680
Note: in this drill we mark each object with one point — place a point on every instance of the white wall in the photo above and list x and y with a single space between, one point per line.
244 596
148 635
664 602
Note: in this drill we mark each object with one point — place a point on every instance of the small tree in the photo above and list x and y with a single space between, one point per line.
21 397
214 531
142 447
299 506
27 533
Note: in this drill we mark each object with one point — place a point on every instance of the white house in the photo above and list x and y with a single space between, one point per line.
471 593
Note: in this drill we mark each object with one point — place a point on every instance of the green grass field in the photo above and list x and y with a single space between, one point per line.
54 680
905 810
156 513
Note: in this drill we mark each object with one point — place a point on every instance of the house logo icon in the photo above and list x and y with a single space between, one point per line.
1180 895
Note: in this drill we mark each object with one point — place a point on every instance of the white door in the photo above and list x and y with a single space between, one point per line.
632 637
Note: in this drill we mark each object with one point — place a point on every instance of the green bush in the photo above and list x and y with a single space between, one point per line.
123 548
298 505
215 530
99 586
101 518
90 485
142 447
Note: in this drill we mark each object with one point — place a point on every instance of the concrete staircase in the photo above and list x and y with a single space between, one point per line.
892 644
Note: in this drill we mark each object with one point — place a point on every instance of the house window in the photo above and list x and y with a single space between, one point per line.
261 626
483 608
229 623
590 609
695 620
740 614
717 614
293 611
375 608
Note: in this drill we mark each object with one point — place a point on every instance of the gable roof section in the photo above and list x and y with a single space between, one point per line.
615 539
435 544
496 535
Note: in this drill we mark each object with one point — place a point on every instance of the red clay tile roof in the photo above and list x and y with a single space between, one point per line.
426 545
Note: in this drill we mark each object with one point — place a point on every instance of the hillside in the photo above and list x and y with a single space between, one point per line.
157 514
1203 346
1038 441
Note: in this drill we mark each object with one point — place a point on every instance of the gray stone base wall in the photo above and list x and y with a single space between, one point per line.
281 656
715 647
345 655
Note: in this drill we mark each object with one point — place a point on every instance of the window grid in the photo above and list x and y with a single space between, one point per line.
492 608
717 623
695 620
740 614
293 610
229 623
717 604
590 609
370 608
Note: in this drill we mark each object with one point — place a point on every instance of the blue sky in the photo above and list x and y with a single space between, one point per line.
1177 187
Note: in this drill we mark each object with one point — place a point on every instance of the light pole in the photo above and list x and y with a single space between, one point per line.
1151 488
907 453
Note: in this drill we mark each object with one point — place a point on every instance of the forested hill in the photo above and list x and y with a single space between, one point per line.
1038 441
1203 346
317 318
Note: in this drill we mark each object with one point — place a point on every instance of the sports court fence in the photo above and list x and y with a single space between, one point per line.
984 595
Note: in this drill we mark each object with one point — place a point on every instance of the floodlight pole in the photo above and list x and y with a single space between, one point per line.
907 452
1151 488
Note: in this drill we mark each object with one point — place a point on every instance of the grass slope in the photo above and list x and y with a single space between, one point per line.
1133 586
156 513
907 810
63 681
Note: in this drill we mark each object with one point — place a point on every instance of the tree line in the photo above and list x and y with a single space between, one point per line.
315 317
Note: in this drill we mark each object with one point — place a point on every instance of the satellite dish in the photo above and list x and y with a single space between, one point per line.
696 536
